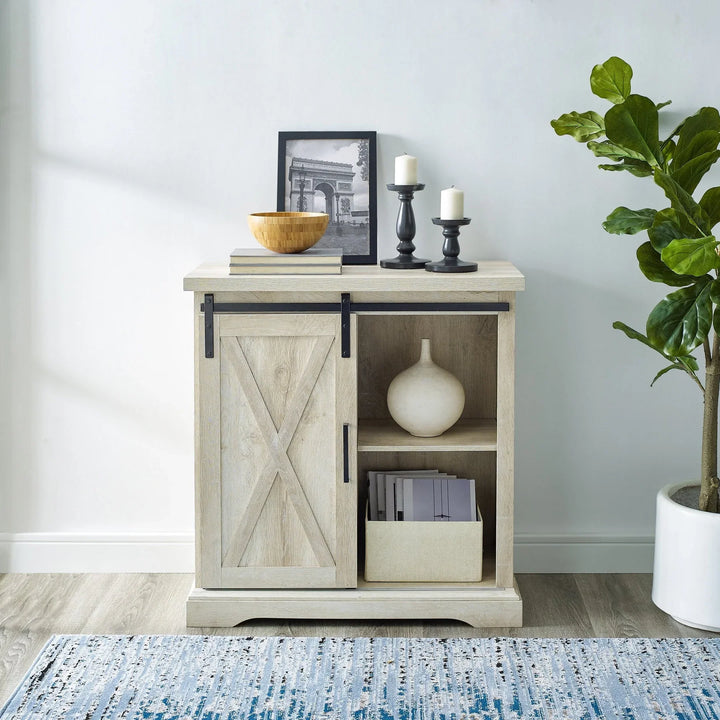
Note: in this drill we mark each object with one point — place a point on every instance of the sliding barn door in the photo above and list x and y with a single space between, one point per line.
276 509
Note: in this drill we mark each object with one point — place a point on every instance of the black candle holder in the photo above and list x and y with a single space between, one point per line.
405 229
451 263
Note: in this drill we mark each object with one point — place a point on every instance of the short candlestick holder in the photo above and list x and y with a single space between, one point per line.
451 263
405 229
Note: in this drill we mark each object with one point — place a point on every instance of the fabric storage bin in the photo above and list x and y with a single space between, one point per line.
415 551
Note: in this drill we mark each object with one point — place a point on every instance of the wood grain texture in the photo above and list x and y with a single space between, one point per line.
465 345
477 606
554 603
278 465
361 295
208 462
346 495
491 276
617 606
287 232
465 436
282 393
265 363
33 607
506 442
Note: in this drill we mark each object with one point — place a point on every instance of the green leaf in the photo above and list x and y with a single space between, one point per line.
710 204
690 174
612 151
670 225
691 256
706 119
716 320
582 126
688 362
681 321
654 269
611 80
633 124
666 370
698 140
715 292
635 335
668 150
677 130
661 105
681 200
688 148
639 168
623 221
683 362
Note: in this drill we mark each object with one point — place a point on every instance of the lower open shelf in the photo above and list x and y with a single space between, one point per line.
478 604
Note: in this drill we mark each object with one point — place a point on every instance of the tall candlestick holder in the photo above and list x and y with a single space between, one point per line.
405 229
451 263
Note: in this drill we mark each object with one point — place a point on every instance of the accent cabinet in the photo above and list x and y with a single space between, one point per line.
291 375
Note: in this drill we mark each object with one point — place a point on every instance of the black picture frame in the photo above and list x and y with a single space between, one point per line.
348 192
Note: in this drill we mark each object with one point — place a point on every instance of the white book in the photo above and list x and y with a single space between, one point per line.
426 498
380 484
376 494
461 500
394 492
372 495
441 503
419 495
380 488
439 499
390 509
262 256
396 481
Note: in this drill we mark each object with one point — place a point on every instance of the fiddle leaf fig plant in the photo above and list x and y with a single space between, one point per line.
681 250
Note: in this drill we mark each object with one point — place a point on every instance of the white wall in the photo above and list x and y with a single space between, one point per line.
136 136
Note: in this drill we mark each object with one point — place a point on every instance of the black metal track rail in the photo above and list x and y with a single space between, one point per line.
345 307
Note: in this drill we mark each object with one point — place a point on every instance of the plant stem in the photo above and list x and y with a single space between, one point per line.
708 479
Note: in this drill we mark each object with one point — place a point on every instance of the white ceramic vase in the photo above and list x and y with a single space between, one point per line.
686 576
425 399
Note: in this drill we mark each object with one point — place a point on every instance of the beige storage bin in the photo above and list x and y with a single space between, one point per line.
410 551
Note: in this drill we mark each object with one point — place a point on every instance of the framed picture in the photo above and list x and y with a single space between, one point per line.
333 173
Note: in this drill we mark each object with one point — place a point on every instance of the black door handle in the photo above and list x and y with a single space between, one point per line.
346 450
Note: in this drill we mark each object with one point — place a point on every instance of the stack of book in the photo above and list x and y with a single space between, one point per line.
258 261
420 495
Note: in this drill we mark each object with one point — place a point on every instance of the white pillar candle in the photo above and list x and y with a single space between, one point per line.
405 170
452 204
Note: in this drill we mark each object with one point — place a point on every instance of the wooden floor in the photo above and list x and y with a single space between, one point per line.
34 607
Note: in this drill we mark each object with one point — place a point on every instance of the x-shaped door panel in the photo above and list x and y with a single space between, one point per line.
279 467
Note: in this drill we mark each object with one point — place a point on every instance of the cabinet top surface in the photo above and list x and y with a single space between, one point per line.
491 276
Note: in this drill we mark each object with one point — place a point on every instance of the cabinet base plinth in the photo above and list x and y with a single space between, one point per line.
485 607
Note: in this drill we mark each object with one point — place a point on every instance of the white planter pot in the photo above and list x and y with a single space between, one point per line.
686 580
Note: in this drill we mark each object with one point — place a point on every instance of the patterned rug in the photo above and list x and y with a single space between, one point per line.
228 678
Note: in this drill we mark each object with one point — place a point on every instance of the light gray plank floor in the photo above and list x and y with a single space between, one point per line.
34 607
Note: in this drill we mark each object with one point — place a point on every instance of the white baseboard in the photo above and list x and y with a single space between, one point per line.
95 553
175 553
583 554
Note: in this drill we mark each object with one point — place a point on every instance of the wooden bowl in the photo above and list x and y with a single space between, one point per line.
287 232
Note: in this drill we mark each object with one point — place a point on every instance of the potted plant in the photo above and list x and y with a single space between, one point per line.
682 252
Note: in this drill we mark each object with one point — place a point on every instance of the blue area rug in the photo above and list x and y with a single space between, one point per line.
192 677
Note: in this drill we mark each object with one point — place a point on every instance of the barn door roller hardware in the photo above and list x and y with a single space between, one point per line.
345 307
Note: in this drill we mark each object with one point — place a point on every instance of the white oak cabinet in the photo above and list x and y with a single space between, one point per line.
291 378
